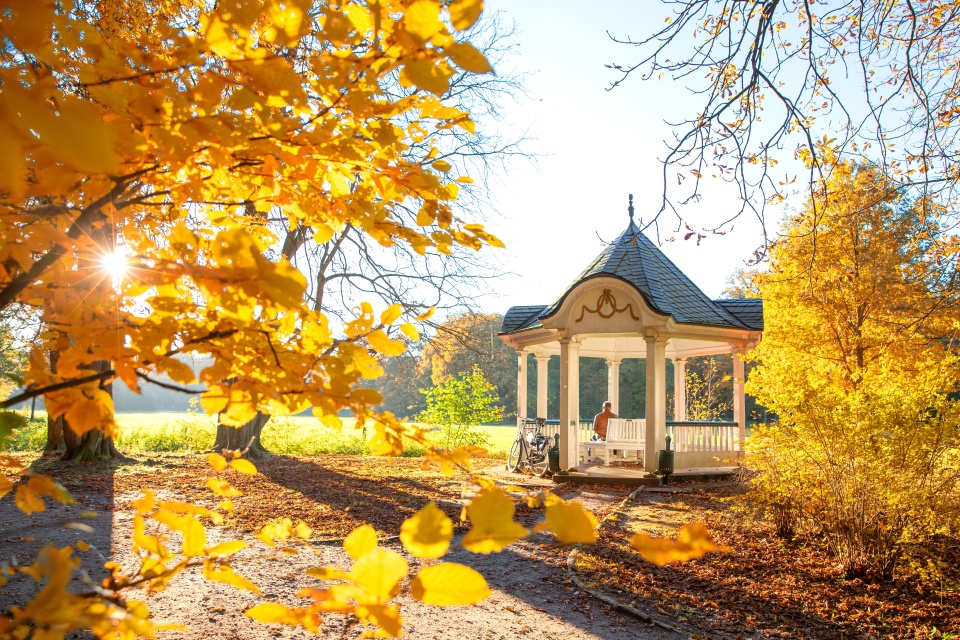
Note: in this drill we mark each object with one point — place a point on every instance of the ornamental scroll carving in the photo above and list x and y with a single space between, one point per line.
607 307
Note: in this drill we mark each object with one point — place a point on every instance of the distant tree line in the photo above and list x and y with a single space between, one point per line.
470 339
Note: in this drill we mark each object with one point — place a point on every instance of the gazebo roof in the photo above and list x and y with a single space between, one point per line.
634 259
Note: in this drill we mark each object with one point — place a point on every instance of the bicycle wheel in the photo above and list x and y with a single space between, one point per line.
539 461
515 456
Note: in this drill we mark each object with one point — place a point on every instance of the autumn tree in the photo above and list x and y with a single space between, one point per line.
772 81
351 265
12 361
470 340
860 361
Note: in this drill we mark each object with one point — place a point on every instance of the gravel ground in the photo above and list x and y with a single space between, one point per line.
533 598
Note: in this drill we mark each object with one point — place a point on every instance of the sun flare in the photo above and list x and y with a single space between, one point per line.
115 264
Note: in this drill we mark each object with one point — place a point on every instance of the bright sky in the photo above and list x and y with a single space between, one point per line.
597 146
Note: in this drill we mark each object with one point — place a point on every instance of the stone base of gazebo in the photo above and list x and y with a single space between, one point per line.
630 476
637 477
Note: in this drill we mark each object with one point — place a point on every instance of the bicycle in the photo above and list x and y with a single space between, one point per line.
530 447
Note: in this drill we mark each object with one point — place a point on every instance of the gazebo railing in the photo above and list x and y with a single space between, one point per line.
697 444
700 444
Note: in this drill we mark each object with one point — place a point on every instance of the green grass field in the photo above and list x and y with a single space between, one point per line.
182 432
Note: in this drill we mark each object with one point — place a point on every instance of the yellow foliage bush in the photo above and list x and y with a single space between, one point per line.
859 360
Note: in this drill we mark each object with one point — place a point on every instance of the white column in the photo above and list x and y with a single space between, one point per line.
521 384
569 404
613 384
656 409
679 389
542 385
739 396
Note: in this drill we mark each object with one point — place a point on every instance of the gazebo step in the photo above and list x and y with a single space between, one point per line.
610 475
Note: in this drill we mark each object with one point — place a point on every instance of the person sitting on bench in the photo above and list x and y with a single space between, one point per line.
601 419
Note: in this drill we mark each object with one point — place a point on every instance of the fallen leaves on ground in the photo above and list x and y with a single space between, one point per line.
330 494
763 584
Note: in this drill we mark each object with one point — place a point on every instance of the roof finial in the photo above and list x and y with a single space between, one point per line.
630 209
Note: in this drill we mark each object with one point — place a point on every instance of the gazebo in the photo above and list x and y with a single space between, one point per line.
633 302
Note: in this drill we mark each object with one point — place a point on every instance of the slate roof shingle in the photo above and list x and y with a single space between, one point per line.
518 318
633 258
748 310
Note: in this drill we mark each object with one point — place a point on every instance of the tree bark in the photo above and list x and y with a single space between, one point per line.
54 425
243 438
93 445
55 441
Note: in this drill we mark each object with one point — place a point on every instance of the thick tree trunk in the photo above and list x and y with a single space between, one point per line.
55 441
243 438
54 425
93 445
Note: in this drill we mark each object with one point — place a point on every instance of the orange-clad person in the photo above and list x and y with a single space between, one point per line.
601 419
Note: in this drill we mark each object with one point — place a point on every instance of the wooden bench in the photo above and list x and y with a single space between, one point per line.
623 436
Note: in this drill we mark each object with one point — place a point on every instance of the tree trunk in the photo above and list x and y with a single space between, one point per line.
93 445
54 425
243 438
55 441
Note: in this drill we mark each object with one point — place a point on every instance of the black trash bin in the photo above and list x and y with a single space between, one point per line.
553 455
665 462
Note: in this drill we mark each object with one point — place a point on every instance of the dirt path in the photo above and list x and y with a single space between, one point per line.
533 597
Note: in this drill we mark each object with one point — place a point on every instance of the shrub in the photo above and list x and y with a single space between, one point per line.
460 404
860 363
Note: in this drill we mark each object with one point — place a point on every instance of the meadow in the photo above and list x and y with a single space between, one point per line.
186 432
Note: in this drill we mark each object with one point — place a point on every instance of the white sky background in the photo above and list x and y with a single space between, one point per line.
596 146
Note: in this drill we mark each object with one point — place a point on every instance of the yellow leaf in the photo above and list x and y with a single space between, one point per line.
382 343
226 505
194 535
390 314
146 504
224 573
360 541
28 495
693 542
422 19
379 573
217 461
227 548
268 612
427 76
151 544
84 415
328 573
426 315
303 531
5 486
244 466
442 165
27 501
467 58
491 522
83 545
12 165
223 488
449 584
427 534
410 331
569 521
75 134
385 616
463 13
